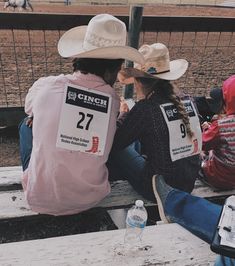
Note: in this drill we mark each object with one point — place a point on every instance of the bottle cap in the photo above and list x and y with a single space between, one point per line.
139 203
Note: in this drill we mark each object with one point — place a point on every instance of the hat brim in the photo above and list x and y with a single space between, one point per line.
177 69
71 45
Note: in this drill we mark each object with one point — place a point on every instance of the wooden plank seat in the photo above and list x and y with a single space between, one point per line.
165 244
13 204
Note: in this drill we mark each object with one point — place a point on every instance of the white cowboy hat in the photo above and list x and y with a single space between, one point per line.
104 37
157 65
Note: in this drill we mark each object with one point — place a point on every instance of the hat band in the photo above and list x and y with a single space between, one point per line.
99 41
158 65
152 71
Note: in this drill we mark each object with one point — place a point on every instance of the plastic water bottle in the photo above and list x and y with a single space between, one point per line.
135 223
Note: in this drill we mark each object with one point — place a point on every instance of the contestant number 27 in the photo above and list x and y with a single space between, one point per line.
84 120
183 131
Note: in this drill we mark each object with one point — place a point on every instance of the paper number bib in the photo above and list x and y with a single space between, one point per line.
84 120
181 145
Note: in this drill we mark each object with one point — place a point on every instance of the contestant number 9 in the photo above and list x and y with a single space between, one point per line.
183 131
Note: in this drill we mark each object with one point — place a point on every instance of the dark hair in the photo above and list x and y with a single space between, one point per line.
165 90
96 66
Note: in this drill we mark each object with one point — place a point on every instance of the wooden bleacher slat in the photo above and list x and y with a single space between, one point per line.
204 191
14 205
166 244
10 175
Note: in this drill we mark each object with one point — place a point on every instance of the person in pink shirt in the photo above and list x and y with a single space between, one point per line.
64 153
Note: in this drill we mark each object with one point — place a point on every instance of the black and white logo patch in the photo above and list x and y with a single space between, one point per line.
87 99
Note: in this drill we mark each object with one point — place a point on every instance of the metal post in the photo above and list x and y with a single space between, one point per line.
135 22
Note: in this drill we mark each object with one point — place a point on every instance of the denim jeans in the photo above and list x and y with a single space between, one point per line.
197 215
26 143
129 164
224 261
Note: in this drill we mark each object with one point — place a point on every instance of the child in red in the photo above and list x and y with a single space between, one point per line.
219 140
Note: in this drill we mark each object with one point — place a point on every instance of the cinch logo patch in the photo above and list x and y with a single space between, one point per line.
87 99
172 113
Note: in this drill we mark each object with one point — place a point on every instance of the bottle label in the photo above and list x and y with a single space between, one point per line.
135 221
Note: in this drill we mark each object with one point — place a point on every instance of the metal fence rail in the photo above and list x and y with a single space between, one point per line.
28 49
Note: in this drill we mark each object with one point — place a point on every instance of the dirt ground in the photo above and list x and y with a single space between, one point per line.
149 10
9 148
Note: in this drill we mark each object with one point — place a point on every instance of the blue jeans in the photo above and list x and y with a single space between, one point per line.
26 143
129 164
197 215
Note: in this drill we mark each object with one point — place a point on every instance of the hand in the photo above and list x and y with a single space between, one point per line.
217 117
204 155
29 121
123 78
123 106
205 125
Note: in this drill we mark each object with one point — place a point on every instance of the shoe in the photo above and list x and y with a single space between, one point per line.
161 190
201 174
202 177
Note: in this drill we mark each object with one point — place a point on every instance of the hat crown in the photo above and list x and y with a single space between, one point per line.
156 58
103 38
157 64
104 30
154 50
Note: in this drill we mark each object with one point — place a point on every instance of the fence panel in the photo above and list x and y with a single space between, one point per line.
207 43
28 49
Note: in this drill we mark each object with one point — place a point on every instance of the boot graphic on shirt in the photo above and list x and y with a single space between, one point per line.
195 146
95 145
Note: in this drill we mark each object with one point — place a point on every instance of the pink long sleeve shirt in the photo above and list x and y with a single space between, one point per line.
59 181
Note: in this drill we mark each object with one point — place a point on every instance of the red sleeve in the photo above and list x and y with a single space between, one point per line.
210 137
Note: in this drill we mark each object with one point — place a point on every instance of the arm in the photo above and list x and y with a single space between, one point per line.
210 136
130 126
31 95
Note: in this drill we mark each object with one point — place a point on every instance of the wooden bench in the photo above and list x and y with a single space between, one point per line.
13 204
166 244
162 244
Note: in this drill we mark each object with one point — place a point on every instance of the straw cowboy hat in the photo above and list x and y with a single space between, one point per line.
157 65
104 37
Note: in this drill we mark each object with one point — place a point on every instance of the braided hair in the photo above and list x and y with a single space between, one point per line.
182 112
166 90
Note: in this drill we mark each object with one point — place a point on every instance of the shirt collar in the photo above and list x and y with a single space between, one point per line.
89 77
